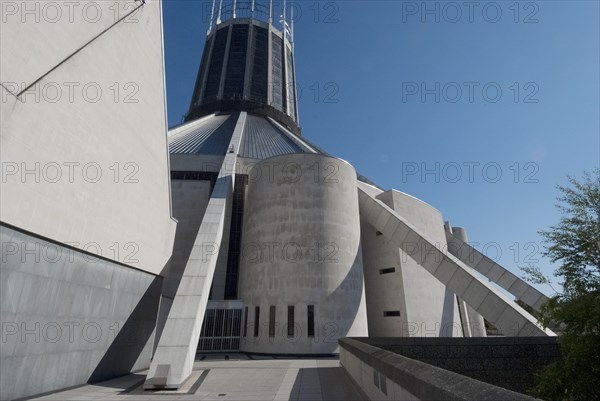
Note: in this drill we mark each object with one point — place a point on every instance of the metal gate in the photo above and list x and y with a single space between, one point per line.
221 330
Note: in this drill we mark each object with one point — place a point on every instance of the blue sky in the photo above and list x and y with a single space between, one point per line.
498 102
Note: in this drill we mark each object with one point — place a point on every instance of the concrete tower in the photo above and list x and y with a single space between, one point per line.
248 63
283 249
272 220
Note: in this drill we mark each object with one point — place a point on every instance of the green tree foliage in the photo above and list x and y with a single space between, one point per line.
574 243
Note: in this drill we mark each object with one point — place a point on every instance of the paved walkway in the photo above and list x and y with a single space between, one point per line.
233 377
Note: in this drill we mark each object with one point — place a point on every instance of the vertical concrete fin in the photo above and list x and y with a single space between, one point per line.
492 304
174 357
494 272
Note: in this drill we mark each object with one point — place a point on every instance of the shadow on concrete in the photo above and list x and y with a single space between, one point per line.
133 338
347 296
327 384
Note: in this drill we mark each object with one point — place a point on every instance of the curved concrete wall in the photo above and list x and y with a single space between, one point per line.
300 247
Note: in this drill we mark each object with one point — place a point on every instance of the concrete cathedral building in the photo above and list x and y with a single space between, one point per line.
234 232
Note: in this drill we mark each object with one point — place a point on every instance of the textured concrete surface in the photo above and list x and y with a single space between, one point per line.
427 308
238 378
301 246
507 362
383 375
50 34
86 145
69 317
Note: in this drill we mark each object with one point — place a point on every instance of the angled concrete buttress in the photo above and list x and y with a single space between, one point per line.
174 357
510 318
494 272
473 322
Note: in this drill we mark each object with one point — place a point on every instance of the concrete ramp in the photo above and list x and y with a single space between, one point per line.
494 272
174 357
510 318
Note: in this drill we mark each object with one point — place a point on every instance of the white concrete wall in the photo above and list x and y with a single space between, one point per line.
92 129
427 308
384 292
450 271
301 246
37 36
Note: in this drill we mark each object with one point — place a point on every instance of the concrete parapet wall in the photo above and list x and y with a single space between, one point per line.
384 375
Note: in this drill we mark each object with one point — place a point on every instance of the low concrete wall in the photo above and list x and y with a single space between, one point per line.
384 375
68 317
508 362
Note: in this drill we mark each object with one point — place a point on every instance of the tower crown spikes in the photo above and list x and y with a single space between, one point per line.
279 14
248 62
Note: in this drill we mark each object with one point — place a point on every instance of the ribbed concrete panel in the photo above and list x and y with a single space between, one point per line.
262 140
210 137
495 272
69 317
303 143
509 317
